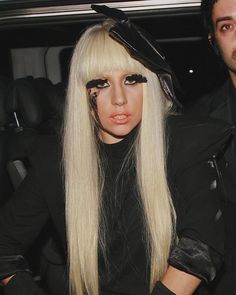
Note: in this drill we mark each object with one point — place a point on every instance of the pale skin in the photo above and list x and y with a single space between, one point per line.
224 21
119 104
119 107
180 282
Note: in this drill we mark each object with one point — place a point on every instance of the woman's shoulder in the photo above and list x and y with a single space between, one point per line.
193 139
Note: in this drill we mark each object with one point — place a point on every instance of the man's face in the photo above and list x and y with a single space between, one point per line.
224 21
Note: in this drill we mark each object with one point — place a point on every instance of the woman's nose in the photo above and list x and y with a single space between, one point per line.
118 96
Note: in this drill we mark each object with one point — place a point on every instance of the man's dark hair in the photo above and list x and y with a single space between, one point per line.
206 11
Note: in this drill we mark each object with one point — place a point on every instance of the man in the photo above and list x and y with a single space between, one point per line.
220 20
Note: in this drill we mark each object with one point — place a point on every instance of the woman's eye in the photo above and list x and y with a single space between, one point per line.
130 81
102 84
98 83
133 79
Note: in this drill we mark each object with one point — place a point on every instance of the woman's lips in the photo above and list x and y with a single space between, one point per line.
120 118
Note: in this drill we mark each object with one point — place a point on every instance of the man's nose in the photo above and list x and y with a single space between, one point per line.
118 96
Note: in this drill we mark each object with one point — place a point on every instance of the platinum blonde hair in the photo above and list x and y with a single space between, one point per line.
95 54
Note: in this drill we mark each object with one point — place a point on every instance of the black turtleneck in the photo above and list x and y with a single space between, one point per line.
125 270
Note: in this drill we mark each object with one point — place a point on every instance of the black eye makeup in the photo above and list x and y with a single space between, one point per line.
98 83
135 78
93 100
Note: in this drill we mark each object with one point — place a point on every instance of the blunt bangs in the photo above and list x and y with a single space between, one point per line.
103 54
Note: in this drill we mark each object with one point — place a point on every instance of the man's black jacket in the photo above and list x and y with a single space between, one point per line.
221 104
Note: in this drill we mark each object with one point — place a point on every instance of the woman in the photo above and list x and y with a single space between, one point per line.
127 193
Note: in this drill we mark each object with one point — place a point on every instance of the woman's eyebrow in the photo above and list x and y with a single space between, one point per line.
93 83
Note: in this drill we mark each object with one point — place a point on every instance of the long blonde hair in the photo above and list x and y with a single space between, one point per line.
95 54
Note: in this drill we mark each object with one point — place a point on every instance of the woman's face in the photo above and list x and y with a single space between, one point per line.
116 101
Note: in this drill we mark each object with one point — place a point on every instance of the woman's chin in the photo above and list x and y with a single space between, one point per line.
113 137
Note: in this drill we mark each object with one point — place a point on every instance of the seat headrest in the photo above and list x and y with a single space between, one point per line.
25 101
57 100
55 96
44 88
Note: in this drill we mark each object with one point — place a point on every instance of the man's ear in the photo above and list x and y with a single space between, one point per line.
209 37
213 43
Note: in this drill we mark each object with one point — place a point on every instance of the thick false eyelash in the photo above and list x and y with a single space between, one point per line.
95 83
137 78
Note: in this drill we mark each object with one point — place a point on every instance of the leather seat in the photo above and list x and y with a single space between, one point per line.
24 106
32 103
5 120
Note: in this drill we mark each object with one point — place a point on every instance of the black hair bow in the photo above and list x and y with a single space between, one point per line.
142 47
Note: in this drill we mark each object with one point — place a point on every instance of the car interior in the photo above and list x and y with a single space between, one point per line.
37 41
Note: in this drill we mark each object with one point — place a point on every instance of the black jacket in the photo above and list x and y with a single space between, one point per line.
195 185
221 104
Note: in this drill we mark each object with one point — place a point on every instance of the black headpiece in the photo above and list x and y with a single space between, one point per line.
142 47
